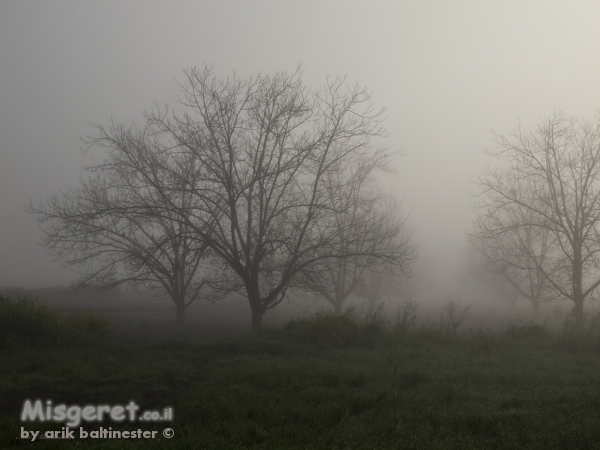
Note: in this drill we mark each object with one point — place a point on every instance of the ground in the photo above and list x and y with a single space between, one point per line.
279 389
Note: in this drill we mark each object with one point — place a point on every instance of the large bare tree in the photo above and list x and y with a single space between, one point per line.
263 150
560 158
265 146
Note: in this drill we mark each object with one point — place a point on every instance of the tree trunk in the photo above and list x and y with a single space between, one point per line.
338 308
257 319
257 311
578 289
180 319
335 302
578 313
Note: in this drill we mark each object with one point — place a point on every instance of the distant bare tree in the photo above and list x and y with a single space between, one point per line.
483 268
515 260
107 228
379 282
370 234
561 159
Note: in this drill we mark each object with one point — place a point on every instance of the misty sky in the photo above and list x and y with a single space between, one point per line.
448 72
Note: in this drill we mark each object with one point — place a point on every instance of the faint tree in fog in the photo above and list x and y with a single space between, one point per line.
482 267
514 260
109 230
369 234
561 158
380 281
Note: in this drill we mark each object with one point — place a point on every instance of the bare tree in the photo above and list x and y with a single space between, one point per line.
561 159
261 152
108 230
381 281
265 146
487 270
512 261
370 234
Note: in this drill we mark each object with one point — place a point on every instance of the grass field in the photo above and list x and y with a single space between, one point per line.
321 383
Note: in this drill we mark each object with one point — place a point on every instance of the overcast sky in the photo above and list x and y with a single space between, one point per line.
448 72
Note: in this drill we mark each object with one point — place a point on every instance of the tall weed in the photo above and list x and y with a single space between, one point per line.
406 317
453 318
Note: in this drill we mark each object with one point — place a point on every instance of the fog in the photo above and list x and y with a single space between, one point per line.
448 72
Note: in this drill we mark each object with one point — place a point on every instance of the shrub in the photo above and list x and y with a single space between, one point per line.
355 327
530 329
583 336
83 326
324 328
26 320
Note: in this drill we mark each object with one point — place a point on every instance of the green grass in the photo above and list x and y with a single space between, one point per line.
326 383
